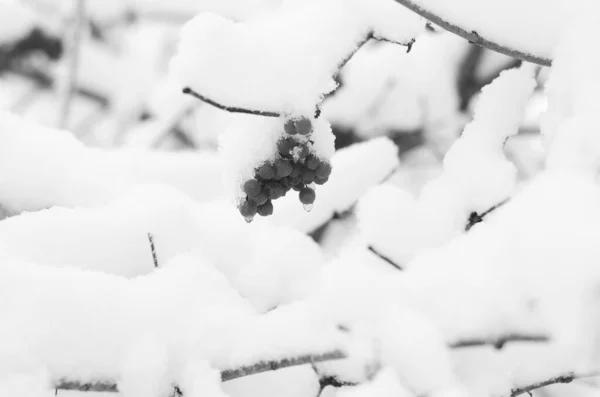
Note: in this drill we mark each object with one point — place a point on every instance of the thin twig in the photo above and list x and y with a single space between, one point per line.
499 342
384 258
231 109
153 249
473 36
227 375
564 378
475 218
73 66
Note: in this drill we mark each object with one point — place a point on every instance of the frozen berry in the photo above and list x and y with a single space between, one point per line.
283 168
275 190
295 180
266 209
308 176
285 147
307 196
298 187
248 209
301 153
266 172
290 127
304 126
323 170
252 187
312 162
297 171
321 181
261 198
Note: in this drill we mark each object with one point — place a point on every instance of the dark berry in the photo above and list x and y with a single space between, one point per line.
252 187
290 127
261 198
295 180
266 172
304 126
298 187
323 170
307 196
312 162
275 190
308 176
321 181
248 209
283 168
266 209
285 147
285 182
297 171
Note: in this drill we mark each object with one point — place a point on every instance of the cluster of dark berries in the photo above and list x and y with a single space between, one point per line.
294 168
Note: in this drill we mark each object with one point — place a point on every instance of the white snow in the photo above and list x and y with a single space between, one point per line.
283 61
16 20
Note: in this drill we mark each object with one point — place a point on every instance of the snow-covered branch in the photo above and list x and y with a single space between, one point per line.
473 36
230 109
563 378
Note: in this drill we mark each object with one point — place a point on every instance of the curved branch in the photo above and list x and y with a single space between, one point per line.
189 91
564 378
473 36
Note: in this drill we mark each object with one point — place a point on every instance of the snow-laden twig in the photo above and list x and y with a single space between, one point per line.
384 258
476 218
266 113
73 64
563 378
189 91
473 36
499 342
273 365
153 250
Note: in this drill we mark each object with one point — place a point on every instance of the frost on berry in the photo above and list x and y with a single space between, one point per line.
266 209
290 127
323 170
285 147
301 153
248 209
304 126
266 172
252 187
283 168
307 195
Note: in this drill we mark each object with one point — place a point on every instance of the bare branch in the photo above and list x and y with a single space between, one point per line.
226 375
189 91
475 218
153 250
384 258
564 378
473 36
499 342
73 66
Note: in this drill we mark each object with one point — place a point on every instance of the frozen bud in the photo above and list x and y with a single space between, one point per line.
321 181
308 176
248 209
261 198
285 147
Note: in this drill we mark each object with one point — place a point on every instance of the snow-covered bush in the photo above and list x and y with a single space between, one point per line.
465 267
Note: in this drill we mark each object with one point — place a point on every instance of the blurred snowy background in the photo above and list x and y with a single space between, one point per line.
107 169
